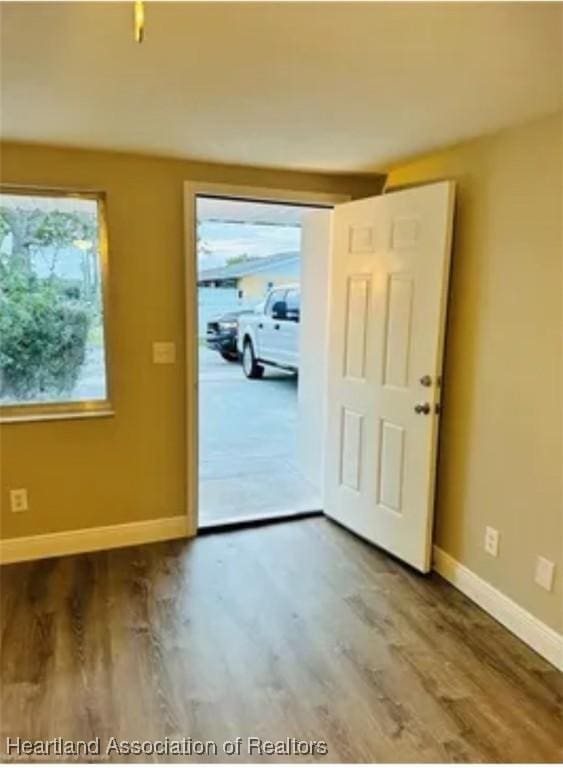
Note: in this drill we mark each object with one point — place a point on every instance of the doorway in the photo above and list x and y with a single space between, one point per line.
386 270
249 306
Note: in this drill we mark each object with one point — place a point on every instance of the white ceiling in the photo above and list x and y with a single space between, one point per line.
323 86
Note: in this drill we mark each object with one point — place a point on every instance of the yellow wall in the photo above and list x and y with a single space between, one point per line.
132 466
501 454
501 447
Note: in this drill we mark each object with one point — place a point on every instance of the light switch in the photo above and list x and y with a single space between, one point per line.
545 571
18 500
163 352
491 541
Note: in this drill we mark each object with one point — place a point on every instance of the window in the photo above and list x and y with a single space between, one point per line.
52 282
293 300
275 297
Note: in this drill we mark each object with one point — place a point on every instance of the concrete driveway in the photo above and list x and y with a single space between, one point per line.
248 444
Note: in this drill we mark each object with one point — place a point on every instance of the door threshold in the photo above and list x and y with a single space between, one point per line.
253 521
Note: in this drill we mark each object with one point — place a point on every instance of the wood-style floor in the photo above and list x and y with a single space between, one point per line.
296 630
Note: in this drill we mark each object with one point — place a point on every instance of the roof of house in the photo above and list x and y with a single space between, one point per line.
248 267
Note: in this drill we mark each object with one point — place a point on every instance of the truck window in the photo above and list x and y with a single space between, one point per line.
293 301
274 297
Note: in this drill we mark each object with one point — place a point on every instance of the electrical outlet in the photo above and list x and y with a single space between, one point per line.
164 352
491 541
18 500
545 571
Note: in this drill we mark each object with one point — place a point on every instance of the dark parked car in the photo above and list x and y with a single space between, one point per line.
222 334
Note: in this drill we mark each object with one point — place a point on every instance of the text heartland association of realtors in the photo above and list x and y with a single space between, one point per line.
59 747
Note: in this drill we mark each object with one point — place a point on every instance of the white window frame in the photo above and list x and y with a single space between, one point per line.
49 411
193 190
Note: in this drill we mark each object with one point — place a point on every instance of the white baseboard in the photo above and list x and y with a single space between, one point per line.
92 539
543 639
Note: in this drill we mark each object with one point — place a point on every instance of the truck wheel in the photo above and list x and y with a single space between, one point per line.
230 357
249 365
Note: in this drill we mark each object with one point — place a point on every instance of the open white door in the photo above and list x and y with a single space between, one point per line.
388 293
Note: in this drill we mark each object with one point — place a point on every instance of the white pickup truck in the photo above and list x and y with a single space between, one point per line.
270 336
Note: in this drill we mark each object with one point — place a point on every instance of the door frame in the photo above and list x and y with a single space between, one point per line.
192 190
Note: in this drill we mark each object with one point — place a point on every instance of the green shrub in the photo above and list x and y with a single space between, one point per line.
43 335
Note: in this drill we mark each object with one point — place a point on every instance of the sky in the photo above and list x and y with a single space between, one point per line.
219 241
229 227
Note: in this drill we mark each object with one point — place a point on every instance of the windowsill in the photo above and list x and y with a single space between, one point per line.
63 415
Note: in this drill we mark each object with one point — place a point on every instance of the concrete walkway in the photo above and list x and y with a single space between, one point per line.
248 444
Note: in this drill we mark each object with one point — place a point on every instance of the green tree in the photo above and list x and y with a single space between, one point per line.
35 230
44 322
238 259
42 336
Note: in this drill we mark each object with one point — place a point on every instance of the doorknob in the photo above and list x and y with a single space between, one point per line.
422 408
426 380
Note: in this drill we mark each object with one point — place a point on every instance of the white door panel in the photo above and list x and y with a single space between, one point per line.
268 329
261 335
389 280
292 327
278 336
286 345
293 344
